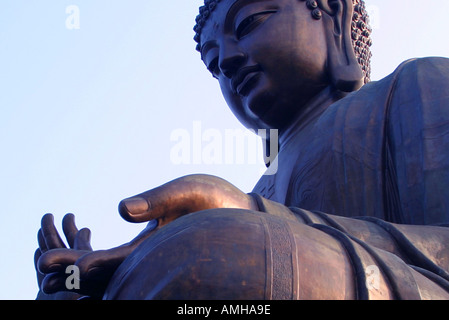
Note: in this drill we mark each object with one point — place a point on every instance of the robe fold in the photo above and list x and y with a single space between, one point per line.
381 152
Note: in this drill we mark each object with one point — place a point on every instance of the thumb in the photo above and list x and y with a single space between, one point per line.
183 196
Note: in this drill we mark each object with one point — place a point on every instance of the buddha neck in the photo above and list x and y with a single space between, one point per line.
311 111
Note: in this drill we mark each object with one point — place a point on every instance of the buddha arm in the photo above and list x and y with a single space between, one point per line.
400 252
363 244
418 141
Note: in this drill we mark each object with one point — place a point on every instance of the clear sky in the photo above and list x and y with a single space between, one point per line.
88 113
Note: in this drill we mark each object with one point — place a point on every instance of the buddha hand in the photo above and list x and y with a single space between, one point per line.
158 206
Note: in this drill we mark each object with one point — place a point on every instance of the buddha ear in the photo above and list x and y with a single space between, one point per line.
345 71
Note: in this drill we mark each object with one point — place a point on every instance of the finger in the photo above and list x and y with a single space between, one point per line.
82 240
57 260
51 235
182 196
101 264
57 283
54 282
69 228
37 255
40 276
41 241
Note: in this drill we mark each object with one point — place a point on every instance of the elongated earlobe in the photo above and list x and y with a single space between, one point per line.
345 71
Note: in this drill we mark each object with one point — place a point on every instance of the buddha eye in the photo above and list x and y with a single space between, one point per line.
252 22
213 68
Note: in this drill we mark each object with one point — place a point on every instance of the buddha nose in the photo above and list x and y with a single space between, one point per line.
231 60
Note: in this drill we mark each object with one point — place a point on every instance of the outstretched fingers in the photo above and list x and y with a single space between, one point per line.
49 234
69 228
82 240
77 239
53 258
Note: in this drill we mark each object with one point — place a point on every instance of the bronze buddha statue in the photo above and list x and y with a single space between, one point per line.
362 181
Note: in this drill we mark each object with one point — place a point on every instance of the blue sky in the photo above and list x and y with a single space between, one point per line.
87 114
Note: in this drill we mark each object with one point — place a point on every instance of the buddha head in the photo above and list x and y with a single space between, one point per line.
272 57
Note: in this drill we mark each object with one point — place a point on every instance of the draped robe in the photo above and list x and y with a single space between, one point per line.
382 151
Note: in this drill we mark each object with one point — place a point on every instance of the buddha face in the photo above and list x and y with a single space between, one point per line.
270 58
